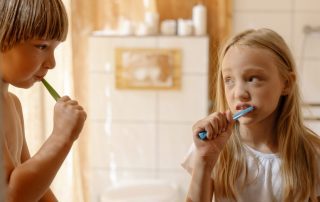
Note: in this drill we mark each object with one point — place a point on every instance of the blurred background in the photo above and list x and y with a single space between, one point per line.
137 134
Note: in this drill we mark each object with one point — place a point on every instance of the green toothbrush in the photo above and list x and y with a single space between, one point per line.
51 90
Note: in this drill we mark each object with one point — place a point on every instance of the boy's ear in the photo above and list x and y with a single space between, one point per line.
288 84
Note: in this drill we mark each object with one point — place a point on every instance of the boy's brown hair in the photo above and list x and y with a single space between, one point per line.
21 20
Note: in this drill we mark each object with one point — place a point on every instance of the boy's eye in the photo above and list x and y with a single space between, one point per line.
41 46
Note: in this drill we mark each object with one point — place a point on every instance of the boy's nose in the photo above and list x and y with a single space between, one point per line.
50 63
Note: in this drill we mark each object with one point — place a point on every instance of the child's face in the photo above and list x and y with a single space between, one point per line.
27 62
251 78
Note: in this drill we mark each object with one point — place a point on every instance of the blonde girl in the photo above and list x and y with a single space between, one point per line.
30 30
268 154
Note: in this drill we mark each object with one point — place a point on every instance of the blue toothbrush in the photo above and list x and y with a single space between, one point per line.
203 135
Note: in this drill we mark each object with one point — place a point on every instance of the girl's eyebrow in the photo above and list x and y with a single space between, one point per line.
252 69
255 70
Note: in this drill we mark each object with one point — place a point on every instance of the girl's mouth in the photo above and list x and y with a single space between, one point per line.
242 106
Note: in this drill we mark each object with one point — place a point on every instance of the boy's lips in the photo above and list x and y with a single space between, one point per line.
39 78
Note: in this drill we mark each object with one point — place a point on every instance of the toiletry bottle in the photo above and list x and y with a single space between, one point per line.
199 18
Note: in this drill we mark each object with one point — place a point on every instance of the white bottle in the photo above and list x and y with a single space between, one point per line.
199 18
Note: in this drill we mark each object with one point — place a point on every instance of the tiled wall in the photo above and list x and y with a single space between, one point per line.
143 134
288 18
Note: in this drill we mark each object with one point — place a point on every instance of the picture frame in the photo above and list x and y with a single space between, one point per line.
148 68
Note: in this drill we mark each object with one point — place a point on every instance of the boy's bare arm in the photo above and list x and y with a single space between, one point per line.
30 181
49 197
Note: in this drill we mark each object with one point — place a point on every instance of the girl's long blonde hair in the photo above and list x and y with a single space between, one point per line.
21 20
299 146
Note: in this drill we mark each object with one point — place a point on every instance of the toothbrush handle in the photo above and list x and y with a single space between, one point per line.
203 135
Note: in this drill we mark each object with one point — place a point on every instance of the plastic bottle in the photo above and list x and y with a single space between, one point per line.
199 18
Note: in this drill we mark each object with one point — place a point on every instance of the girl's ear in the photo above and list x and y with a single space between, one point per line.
288 84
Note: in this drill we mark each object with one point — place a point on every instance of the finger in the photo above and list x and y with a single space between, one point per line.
64 99
222 122
84 115
78 107
72 102
210 131
218 123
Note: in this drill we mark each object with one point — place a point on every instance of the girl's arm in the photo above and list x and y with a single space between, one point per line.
218 127
201 186
30 181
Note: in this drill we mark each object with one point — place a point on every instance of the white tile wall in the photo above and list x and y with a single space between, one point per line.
261 5
195 55
309 44
310 80
128 145
306 5
119 104
280 21
187 104
143 133
174 140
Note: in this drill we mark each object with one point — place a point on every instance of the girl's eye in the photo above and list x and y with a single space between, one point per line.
253 79
228 80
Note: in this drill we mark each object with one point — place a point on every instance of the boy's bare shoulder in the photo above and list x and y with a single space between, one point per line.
14 97
16 101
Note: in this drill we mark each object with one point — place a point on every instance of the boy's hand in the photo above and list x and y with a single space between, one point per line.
219 128
69 118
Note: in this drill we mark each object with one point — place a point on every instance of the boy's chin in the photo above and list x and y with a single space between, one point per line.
24 85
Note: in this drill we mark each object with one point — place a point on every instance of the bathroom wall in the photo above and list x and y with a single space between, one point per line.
143 134
289 17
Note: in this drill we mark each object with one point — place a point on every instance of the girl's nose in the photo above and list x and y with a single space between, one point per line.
241 92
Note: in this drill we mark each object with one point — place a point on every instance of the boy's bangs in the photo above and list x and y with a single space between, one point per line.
50 21
22 20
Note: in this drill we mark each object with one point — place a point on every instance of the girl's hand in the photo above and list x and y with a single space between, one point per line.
219 128
69 119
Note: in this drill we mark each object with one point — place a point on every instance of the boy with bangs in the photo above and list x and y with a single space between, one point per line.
30 30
